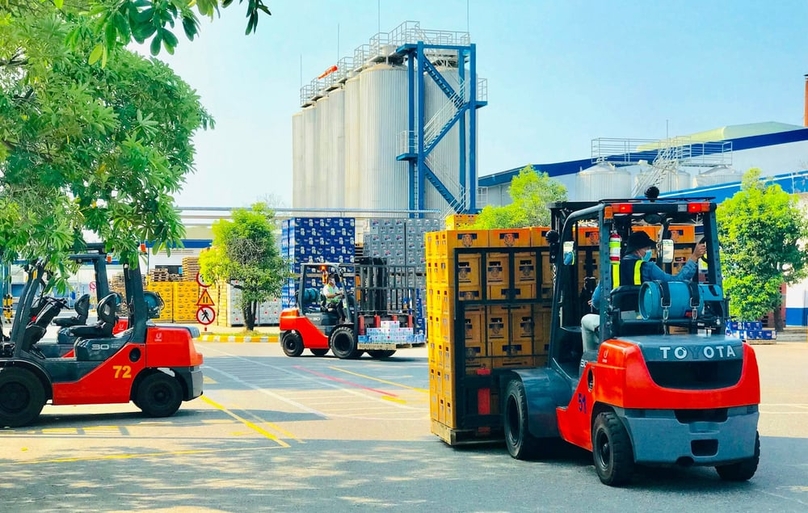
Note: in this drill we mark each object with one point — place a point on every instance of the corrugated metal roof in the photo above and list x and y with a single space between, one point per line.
726 133
765 134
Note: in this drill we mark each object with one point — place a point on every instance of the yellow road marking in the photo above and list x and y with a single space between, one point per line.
60 431
393 399
276 427
207 380
251 425
424 390
130 456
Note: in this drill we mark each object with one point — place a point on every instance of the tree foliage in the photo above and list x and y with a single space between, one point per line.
116 23
244 254
84 147
761 230
531 193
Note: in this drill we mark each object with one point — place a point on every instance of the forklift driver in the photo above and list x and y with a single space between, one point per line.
635 269
333 297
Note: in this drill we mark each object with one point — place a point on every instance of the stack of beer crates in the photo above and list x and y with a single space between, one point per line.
185 295
166 291
488 304
460 221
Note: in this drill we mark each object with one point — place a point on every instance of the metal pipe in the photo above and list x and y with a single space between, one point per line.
805 118
325 210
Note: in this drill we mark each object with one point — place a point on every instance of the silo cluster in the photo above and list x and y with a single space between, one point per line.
349 133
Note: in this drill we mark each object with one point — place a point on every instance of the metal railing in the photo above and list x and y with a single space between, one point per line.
408 32
447 178
451 208
407 140
631 152
445 114
666 162
482 89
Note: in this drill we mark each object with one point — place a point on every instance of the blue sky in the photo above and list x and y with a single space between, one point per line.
560 73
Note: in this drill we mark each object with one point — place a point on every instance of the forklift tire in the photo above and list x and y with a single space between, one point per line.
742 470
611 450
22 397
379 354
343 343
319 352
521 444
159 395
292 344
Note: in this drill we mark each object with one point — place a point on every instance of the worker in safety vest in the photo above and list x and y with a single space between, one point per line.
635 268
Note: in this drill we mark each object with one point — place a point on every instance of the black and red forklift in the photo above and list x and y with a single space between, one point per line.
666 385
155 367
378 303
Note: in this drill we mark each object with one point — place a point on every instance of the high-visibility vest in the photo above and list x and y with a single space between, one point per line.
629 273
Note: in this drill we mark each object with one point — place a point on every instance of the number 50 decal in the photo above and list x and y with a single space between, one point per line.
122 371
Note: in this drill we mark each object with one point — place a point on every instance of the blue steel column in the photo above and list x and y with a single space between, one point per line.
461 70
411 132
472 205
421 122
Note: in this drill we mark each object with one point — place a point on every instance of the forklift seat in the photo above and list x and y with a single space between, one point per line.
35 330
82 308
106 320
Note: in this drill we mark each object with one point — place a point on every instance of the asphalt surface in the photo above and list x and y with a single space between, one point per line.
274 433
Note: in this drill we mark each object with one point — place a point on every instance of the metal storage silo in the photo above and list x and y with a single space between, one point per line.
382 179
310 150
336 163
717 175
444 159
672 180
298 143
321 190
352 134
603 180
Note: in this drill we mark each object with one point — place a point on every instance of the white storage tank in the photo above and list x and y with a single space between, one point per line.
352 134
382 180
603 180
310 150
321 193
717 175
335 171
298 171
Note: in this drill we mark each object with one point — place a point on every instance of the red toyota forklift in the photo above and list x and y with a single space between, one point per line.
156 367
378 304
75 326
665 385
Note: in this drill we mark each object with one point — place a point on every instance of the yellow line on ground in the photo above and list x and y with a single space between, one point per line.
251 425
393 399
381 380
276 427
130 456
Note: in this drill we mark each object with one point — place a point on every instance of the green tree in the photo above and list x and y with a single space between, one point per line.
761 230
85 148
244 254
116 23
531 193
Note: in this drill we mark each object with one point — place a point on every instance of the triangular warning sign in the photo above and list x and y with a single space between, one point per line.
205 299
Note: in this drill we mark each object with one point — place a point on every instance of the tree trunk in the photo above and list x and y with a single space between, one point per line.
249 315
779 322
